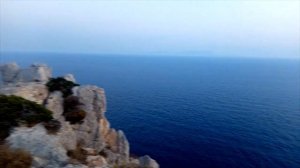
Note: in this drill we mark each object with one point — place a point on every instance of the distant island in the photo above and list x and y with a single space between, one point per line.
56 123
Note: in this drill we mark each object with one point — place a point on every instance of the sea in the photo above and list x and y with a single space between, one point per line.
194 112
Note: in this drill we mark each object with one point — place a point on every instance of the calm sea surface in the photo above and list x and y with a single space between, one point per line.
189 112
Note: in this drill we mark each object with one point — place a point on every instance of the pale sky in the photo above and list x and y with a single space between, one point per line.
262 28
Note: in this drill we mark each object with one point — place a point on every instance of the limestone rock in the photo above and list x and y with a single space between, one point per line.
75 166
9 72
46 148
36 72
27 83
70 77
104 147
123 146
36 92
119 146
117 141
93 95
104 126
96 161
134 161
38 162
94 104
111 139
147 161
89 151
54 103
66 134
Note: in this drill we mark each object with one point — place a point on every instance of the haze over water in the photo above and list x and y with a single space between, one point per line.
264 28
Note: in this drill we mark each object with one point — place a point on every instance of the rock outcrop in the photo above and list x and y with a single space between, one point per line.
102 146
11 73
46 149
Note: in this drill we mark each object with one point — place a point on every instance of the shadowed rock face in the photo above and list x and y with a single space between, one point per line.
104 146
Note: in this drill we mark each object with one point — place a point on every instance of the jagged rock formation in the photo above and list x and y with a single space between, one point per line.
104 147
11 73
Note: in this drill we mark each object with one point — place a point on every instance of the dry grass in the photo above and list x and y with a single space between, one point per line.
52 126
14 158
78 154
103 153
72 110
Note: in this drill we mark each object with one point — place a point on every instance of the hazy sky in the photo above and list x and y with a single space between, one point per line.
262 28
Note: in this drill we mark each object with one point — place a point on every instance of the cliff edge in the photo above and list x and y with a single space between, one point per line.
89 143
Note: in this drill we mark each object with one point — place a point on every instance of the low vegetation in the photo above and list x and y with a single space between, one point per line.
14 158
72 110
15 110
61 84
52 126
77 155
103 153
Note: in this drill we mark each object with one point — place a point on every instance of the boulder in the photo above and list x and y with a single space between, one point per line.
147 161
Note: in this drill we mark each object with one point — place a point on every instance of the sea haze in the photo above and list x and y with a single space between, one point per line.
191 112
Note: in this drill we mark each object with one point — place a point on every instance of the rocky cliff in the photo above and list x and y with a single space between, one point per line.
101 145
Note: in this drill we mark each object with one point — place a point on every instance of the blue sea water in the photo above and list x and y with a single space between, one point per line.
189 112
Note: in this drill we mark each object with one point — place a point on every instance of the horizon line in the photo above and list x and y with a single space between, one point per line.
147 55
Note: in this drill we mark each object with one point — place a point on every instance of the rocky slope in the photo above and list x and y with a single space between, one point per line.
103 146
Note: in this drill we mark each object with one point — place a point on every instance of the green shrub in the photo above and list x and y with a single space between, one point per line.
10 158
61 84
72 110
15 110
